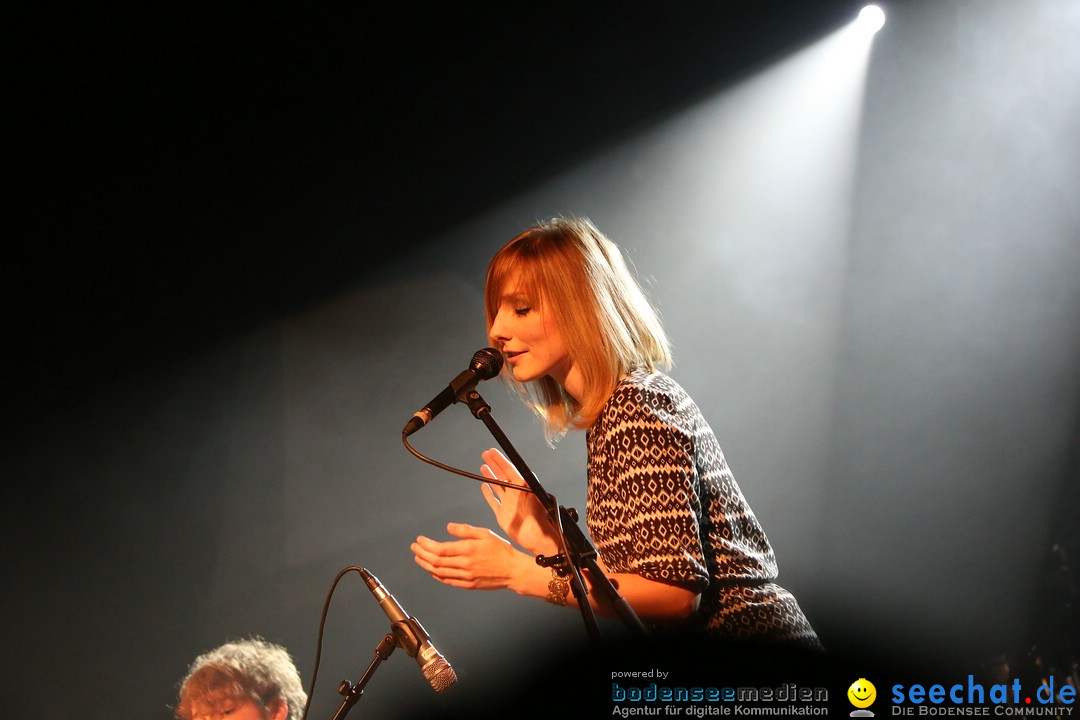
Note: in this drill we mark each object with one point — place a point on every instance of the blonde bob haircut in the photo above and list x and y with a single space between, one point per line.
567 267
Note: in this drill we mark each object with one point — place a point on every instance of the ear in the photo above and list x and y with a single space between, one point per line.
280 711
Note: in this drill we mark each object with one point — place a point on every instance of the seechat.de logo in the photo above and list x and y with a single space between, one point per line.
862 694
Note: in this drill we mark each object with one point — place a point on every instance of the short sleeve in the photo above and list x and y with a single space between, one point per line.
646 505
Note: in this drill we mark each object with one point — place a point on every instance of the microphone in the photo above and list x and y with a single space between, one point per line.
412 637
485 365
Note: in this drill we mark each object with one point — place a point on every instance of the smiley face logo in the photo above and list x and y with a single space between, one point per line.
862 693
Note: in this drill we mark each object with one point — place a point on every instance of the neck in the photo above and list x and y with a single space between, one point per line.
573 383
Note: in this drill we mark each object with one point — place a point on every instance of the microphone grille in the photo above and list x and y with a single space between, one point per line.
487 363
439 674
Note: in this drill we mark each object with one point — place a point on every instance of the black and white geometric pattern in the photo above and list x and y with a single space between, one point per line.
662 503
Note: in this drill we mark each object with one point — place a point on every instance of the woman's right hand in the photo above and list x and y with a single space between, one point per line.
478 560
519 513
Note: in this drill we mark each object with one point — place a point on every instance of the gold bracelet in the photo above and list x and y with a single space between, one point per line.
558 588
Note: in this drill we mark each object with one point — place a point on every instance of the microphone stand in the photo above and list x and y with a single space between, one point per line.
576 550
402 634
353 692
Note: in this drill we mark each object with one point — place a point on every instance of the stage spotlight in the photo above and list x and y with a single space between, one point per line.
871 19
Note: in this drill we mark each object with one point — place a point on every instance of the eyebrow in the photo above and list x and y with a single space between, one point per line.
515 294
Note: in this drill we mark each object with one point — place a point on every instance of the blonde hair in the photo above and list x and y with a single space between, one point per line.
251 669
582 279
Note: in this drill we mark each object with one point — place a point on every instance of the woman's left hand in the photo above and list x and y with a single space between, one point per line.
519 513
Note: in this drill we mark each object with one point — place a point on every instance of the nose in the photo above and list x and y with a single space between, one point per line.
499 332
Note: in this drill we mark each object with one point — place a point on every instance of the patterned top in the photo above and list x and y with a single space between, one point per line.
662 503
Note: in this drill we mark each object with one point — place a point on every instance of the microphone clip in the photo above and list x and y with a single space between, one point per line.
409 635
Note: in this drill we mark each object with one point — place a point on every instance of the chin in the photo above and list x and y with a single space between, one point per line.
523 376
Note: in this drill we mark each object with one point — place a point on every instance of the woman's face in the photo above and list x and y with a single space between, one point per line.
529 337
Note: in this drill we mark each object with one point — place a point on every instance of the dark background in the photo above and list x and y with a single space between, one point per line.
245 245
184 175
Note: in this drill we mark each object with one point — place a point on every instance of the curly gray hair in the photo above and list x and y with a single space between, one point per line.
249 669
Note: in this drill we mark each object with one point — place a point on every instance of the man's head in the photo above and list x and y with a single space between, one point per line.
243 680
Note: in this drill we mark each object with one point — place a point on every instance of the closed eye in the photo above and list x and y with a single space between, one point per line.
522 312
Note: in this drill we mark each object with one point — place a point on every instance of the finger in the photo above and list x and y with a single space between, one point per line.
466 531
493 502
488 472
425 558
427 544
494 454
466 583
422 562
424 546
498 462
436 552
446 576
502 467
437 565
